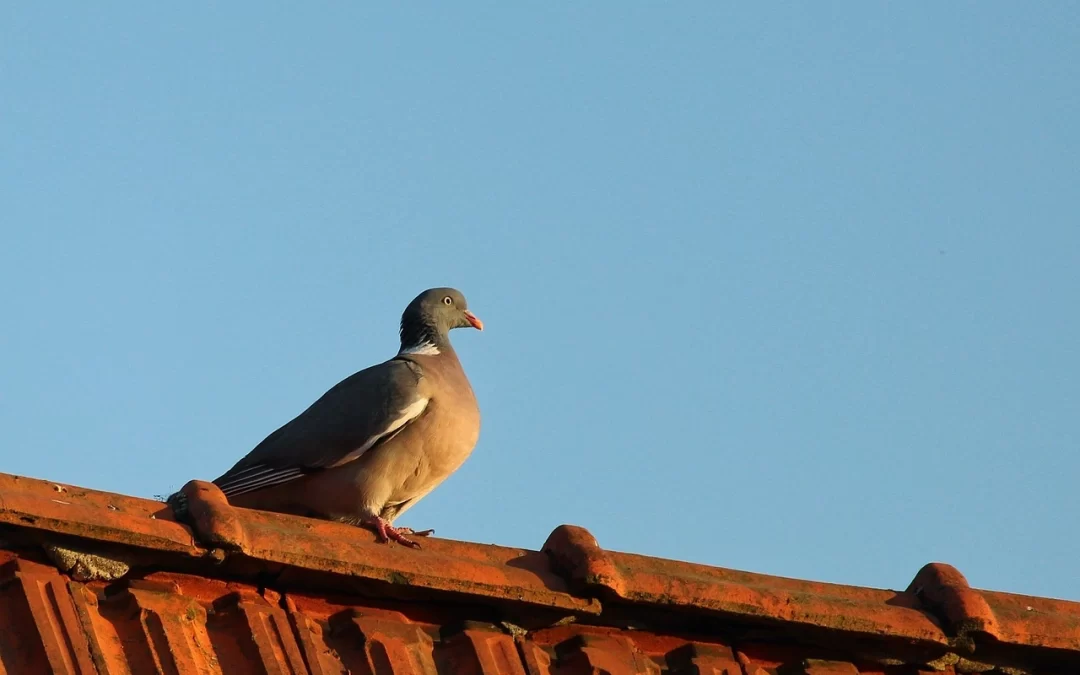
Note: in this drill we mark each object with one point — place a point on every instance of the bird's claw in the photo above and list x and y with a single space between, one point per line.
387 532
408 531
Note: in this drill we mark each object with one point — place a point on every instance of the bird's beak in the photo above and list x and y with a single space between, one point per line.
473 321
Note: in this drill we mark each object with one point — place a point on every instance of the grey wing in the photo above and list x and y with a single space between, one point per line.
357 414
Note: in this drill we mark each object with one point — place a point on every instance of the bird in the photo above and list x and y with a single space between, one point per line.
380 440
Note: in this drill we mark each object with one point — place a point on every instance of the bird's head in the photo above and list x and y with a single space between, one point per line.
432 315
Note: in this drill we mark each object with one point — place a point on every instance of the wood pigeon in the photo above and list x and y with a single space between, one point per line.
380 439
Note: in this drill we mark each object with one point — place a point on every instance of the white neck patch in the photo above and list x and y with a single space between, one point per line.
423 349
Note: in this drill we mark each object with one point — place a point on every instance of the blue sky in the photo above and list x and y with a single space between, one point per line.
784 289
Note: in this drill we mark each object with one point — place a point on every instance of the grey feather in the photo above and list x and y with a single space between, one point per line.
359 413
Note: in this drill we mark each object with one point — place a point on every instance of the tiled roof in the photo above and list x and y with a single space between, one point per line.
94 582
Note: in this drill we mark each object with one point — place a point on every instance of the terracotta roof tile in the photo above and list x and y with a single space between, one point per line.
637 579
97 516
92 582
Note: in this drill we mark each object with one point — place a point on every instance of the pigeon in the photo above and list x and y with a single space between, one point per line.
380 440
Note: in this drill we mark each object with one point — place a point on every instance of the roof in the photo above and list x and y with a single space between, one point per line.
95 582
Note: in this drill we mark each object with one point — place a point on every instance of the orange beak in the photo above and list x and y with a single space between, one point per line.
473 321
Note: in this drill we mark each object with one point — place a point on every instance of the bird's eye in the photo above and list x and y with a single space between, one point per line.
448 300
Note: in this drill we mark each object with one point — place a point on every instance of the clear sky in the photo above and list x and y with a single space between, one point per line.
790 289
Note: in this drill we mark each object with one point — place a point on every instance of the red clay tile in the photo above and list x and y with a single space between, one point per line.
671 584
1001 617
323 546
704 658
948 592
259 592
1034 622
819 667
97 516
479 649
38 624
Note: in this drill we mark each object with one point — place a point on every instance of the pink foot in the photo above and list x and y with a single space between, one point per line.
387 532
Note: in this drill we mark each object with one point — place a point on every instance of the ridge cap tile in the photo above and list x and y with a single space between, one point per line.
939 621
1007 618
633 578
